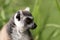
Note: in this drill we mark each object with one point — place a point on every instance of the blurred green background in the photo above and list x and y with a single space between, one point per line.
46 14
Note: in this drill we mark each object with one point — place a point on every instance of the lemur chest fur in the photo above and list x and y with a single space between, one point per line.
17 35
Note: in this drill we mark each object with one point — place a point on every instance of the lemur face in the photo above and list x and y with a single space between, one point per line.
24 20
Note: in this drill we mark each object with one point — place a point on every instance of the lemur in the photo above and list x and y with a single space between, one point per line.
18 27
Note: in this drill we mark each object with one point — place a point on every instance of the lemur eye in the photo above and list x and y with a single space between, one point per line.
28 20
18 16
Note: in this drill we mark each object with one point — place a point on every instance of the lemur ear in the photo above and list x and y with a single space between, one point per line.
27 9
18 16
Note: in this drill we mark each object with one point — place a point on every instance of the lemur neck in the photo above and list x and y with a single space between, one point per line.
17 35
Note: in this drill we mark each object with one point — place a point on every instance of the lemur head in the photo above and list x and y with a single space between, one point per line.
24 20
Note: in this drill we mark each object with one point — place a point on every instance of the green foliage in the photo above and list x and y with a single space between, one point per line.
46 14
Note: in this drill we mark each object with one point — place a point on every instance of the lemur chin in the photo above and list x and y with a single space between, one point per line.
18 27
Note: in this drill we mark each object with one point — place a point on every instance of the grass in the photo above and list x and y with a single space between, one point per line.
46 14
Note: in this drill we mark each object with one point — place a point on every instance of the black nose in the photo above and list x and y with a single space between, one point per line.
34 26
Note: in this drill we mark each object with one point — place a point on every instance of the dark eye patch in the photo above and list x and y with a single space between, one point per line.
26 13
18 16
28 20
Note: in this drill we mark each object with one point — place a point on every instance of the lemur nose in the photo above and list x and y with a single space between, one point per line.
34 26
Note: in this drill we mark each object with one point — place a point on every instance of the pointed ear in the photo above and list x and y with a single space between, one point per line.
27 9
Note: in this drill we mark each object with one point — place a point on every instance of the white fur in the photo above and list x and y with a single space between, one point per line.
19 24
27 9
30 25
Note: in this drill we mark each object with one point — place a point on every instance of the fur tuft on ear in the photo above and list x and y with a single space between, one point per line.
27 9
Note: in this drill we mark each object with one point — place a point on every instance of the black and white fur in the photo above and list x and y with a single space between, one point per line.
18 28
